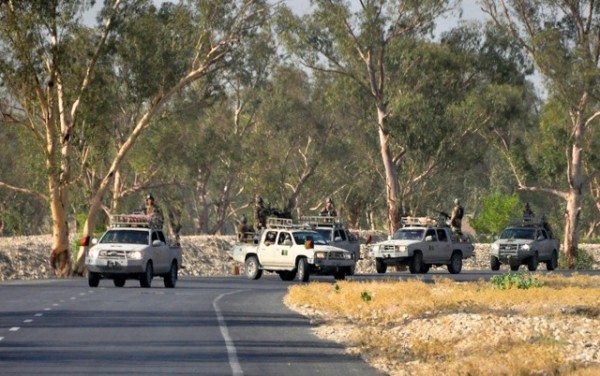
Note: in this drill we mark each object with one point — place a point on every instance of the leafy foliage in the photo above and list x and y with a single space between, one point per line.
515 280
498 210
583 261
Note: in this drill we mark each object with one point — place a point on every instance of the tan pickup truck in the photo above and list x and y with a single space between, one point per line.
292 251
133 248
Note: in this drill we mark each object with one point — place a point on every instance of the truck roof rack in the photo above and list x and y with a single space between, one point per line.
424 222
134 220
321 220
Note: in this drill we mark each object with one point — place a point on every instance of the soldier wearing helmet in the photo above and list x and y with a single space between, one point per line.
260 213
456 217
329 208
153 211
244 231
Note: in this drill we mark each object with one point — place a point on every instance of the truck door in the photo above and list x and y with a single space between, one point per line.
544 245
160 253
444 247
283 250
431 245
266 249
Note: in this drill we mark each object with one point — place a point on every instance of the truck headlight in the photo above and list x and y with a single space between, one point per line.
495 247
320 255
135 255
525 247
348 256
93 253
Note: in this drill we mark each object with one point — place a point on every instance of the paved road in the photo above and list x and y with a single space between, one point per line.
205 326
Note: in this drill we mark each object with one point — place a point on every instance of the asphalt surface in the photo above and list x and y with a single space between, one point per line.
204 326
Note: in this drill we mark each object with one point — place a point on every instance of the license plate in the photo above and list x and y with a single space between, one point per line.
114 264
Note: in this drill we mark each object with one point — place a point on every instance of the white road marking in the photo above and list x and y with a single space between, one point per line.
55 305
28 321
1 338
73 298
231 351
39 314
14 329
47 309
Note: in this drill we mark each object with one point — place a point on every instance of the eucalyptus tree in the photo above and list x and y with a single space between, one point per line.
46 76
159 53
563 39
333 39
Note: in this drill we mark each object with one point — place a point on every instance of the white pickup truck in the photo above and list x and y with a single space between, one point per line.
133 248
292 251
422 242
336 234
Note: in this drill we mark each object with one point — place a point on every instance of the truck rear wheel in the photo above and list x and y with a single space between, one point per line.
303 272
171 278
380 266
146 278
93 279
455 265
252 268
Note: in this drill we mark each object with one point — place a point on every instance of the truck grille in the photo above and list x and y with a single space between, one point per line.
389 248
509 249
336 255
112 254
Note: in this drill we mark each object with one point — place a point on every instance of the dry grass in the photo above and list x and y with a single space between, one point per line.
411 327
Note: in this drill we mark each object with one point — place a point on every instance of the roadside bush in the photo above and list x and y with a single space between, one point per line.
511 280
584 260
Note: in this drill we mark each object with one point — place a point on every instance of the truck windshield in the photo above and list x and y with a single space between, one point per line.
408 234
125 237
518 233
300 237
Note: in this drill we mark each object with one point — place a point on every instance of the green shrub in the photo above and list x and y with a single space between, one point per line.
498 211
584 260
519 280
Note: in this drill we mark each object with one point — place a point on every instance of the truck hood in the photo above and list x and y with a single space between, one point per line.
514 241
119 247
396 242
329 248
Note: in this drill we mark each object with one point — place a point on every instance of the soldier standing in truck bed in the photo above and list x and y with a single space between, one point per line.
456 217
154 212
260 215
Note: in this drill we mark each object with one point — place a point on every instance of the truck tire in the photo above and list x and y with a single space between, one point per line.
302 268
552 264
514 267
93 279
494 263
380 266
252 268
146 278
119 282
533 262
455 265
340 275
170 278
416 263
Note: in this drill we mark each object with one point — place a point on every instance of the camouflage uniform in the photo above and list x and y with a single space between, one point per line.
260 213
456 217
527 214
154 212
244 230
329 209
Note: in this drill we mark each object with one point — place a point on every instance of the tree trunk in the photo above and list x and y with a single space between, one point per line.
571 242
60 257
391 175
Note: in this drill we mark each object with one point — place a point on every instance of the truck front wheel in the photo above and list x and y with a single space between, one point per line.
416 263
252 268
93 279
455 265
146 278
380 266
303 272
553 263
494 263
532 263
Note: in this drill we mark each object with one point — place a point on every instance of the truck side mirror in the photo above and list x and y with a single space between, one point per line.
429 238
337 239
